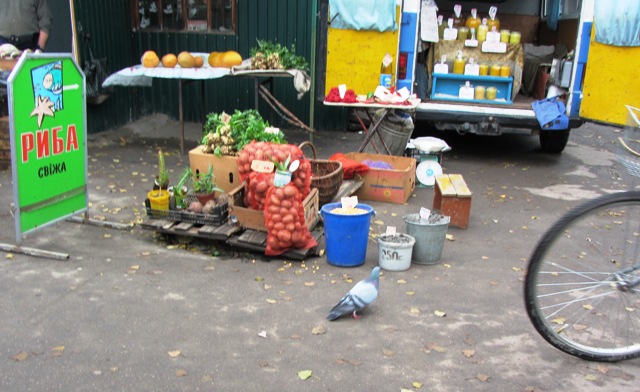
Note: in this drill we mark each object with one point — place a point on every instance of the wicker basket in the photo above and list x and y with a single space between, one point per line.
327 176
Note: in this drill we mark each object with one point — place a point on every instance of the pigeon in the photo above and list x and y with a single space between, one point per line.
361 295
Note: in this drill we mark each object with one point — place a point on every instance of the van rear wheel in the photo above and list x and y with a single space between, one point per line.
554 141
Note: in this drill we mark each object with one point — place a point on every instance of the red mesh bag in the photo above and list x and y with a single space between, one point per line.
259 184
350 167
284 218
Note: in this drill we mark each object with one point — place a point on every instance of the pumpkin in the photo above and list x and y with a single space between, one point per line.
214 59
230 59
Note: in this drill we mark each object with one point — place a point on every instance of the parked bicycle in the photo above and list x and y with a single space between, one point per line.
582 288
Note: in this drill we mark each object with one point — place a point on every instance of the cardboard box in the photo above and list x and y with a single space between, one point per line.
225 168
389 186
248 218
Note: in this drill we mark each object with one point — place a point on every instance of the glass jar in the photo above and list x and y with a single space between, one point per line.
505 70
484 69
479 92
458 65
494 70
504 35
463 33
515 37
491 93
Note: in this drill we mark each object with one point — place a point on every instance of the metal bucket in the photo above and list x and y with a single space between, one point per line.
429 237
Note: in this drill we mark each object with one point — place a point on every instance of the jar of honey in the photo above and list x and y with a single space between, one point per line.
493 21
505 70
479 92
515 37
504 35
484 69
463 33
459 63
491 93
472 20
494 70
483 29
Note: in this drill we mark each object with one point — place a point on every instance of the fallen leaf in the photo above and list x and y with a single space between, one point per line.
263 363
435 347
9 256
445 265
378 222
410 293
559 320
603 369
21 356
181 373
483 377
401 281
258 279
590 377
468 353
267 287
516 269
309 284
439 313
319 330
271 300
450 237
304 374
57 351
262 334
134 267
414 311
146 253
416 384
107 235
485 257
174 354
588 307
388 353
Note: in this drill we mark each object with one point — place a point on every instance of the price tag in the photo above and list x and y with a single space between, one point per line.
262 166
349 202
471 43
466 92
441 68
493 36
425 213
391 230
342 89
450 34
494 47
472 69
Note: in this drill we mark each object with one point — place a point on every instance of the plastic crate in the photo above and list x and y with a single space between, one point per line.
219 216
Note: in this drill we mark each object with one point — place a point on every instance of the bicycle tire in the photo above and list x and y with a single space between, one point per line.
572 287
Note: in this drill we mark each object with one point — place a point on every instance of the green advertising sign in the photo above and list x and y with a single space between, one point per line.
48 140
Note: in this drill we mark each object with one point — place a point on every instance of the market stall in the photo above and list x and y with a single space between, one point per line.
141 76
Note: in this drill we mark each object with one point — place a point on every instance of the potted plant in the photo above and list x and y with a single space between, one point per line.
204 186
283 175
181 189
159 196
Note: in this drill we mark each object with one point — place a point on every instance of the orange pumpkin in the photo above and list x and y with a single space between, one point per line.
231 58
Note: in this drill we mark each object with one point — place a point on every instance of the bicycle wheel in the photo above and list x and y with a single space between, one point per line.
582 288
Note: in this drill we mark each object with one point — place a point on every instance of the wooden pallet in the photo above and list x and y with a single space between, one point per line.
232 235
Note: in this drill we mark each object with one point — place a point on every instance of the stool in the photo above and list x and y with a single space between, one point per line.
453 198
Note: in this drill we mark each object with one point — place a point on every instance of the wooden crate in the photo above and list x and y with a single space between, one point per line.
452 198
254 219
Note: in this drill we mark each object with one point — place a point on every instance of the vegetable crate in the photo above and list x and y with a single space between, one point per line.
219 216
254 219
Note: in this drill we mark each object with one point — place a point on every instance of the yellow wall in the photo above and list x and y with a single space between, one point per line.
354 57
612 80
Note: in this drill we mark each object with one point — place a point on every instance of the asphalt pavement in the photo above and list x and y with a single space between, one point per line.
131 310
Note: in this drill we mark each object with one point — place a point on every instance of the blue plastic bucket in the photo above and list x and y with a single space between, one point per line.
346 236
